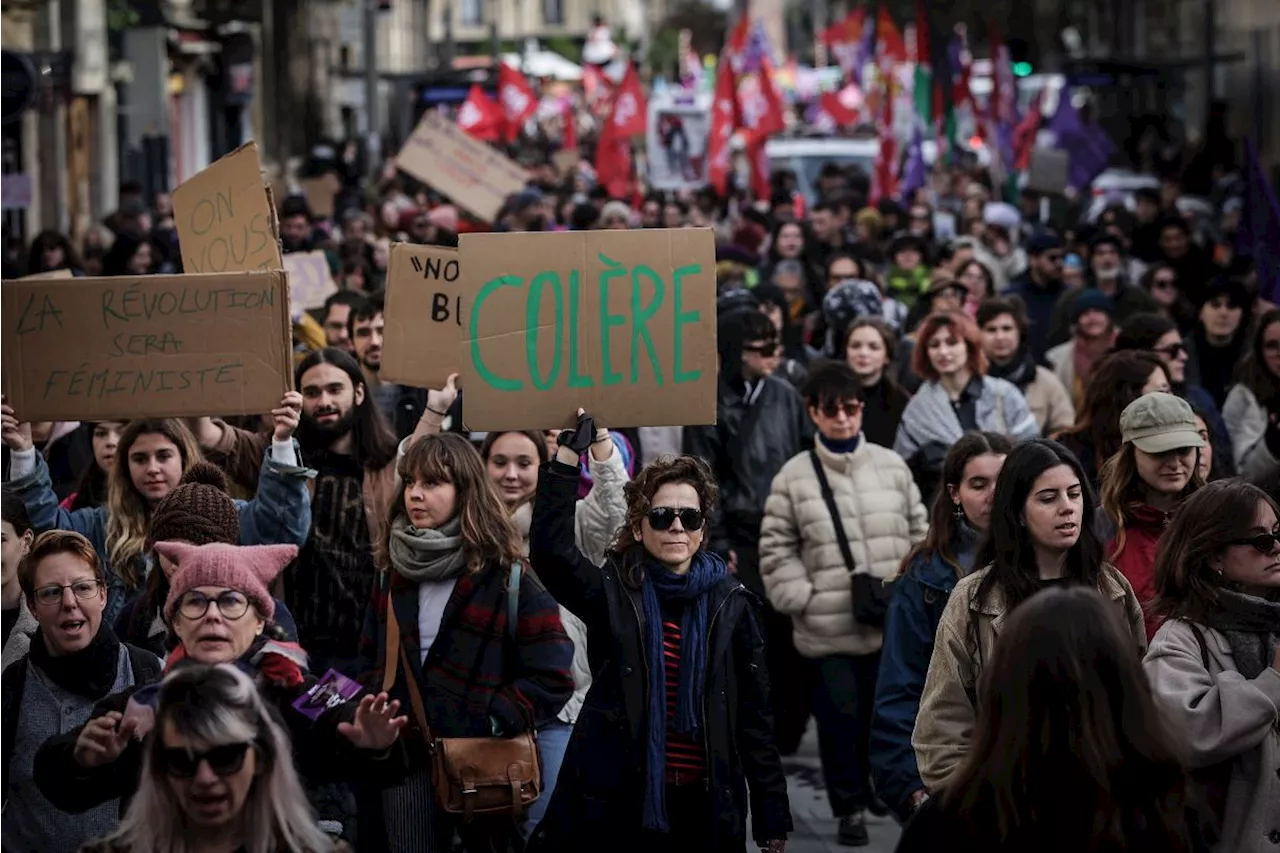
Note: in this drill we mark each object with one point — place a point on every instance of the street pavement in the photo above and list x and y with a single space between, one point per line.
815 825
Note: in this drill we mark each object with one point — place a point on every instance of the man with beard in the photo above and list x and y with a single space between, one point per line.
350 447
1106 274
400 404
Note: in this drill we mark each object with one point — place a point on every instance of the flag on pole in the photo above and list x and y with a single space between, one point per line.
847 40
481 116
1088 147
724 123
914 173
923 88
517 98
1259 234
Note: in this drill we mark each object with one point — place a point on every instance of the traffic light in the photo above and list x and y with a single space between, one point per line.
1022 69
1020 56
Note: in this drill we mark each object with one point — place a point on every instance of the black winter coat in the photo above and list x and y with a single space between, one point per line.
600 793
746 448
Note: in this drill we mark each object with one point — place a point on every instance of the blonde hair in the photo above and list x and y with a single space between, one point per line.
1122 489
128 513
220 705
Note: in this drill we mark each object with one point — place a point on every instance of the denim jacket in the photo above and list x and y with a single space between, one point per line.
280 513
919 597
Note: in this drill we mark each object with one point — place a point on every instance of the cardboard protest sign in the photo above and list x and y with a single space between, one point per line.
149 346
320 193
226 221
1049 170
59 273
467 170
425 309
310 280
622 323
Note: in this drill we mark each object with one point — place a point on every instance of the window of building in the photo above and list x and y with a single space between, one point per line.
553 12
472 13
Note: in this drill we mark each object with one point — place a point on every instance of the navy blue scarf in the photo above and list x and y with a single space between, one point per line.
660 583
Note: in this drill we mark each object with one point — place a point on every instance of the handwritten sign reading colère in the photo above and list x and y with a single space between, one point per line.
123 348
619 322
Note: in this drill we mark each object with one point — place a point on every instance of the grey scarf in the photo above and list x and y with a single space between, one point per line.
426 554
1251 626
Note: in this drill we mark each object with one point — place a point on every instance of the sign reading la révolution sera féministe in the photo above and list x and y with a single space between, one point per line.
621 323
152 346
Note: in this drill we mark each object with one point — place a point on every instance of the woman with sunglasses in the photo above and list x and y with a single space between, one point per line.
221 610
677 718
807 561
74 661
1161 282
1253 404
217 775
1214 665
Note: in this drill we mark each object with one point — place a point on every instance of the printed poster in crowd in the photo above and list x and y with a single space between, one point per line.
226 217
676 141
425 308
115 349
470 172
621 323
310 280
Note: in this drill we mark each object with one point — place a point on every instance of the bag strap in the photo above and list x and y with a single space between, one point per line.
1204 646
397 657
830 500
513 598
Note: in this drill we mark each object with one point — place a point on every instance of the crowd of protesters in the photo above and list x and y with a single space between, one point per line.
997 510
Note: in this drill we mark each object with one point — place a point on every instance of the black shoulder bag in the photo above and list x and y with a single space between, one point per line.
870 594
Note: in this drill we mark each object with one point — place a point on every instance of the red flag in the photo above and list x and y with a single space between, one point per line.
629 113
724 121
890 46
518 100
569 137
841 116
760 186
1024 134
884 179
480 115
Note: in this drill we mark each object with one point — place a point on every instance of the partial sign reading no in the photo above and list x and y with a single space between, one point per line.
425 305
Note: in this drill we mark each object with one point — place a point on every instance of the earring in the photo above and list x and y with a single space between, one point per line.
958 512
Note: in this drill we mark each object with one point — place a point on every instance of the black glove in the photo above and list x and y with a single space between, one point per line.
579 438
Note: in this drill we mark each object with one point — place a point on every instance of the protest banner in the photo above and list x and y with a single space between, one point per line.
320 193
225 217
310 280
149 346
58 273
622 323
425 305
470 172
1049 172
676 142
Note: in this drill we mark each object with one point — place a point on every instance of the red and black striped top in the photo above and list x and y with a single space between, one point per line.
686 758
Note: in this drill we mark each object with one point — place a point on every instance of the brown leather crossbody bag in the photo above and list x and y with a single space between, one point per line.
472 775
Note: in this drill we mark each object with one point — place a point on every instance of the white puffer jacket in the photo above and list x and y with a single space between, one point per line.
804 572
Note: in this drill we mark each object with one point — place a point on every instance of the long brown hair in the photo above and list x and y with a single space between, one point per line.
1070 750
1118 380
1122 489
487 533
128 513
626 548
943 525
1221 512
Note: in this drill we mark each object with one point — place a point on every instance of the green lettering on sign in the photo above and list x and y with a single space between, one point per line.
532 311
490 378
608 376
682 318
639 321
576 377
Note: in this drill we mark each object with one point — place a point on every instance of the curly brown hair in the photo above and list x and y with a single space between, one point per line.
626 548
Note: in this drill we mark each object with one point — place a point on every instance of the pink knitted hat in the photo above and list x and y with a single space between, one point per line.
245 568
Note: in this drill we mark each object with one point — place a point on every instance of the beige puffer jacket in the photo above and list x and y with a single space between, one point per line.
804 572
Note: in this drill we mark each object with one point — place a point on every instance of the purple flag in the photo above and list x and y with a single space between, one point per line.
1088 146
913 171
1259 234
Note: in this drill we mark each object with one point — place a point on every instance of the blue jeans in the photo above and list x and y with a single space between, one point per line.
553 740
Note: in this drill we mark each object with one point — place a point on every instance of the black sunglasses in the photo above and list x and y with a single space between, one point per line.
1171 351
223 760
766 349
1263 543
849 407
662 517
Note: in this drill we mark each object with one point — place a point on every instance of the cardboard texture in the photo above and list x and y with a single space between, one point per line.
225 217
310 280
462 167
565 161
320 193
152 346
622 323
62 273
1049 171
425 312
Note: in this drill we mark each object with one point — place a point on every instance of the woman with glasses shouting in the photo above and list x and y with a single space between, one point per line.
221 611
677 718
1214 665
74 661
838 523
219 774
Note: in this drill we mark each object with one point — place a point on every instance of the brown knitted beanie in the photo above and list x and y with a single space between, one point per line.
198 510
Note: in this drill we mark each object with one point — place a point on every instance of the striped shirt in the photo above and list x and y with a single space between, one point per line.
686 757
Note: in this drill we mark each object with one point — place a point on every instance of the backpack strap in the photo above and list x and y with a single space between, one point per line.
147 668
1204 646
513 598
